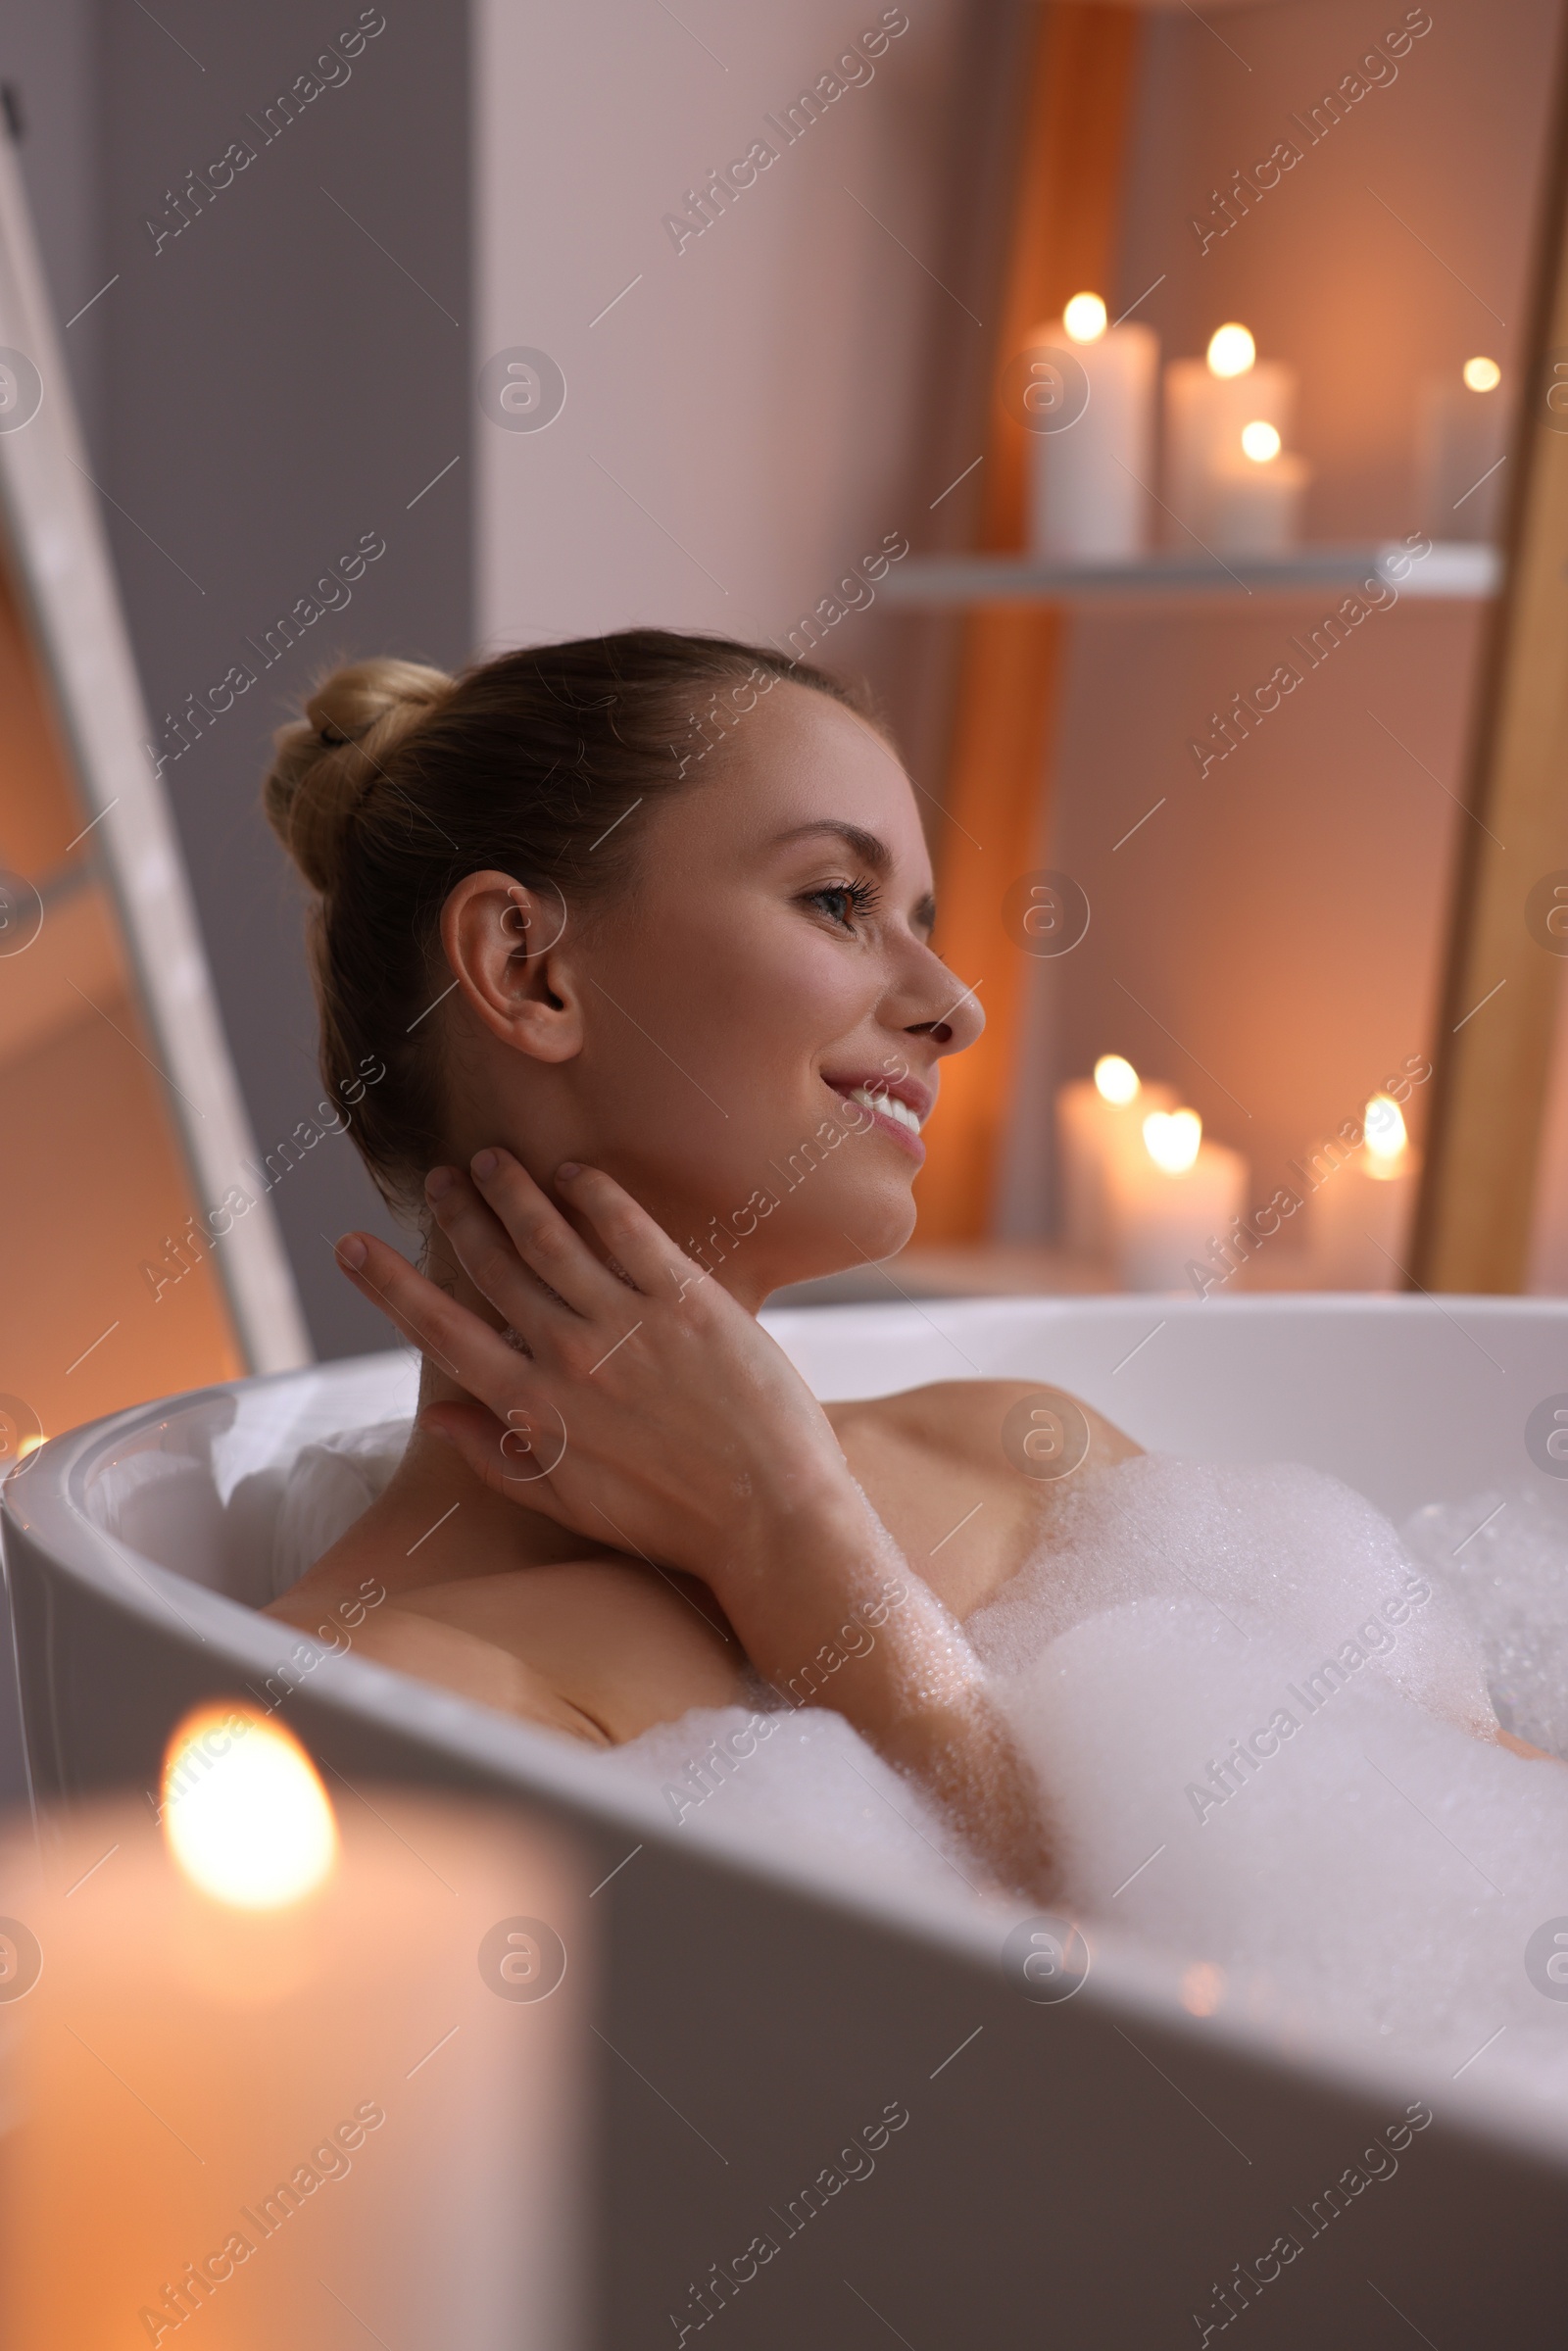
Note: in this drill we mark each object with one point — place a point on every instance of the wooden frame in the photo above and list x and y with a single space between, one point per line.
1493 1057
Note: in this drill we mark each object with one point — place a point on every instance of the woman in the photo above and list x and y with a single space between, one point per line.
640 928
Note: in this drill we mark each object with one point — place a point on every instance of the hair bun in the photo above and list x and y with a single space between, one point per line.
325 763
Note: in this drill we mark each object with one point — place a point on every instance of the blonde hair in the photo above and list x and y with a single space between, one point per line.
543 764
325 763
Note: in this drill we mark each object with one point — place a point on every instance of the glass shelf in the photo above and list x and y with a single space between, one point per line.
1453 570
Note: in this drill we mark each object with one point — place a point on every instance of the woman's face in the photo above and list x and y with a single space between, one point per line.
761 1015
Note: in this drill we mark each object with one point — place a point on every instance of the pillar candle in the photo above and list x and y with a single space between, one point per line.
1208 405
1358 1215
1171 1200
1461 427
1099 1118
1256 495
286 2078
1093 475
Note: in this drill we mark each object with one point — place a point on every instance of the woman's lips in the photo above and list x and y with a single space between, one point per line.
888 1111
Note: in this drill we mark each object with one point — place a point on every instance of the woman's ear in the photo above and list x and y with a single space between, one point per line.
504 943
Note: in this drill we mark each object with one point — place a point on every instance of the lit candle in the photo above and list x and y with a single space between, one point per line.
1359 1210
1255 494
1098 1118
1459 448
1092 471
1171 1200
1210 403
267 2069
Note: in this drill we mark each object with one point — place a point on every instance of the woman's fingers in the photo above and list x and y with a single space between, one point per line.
541 1235
633 1237
490 1257
465 1347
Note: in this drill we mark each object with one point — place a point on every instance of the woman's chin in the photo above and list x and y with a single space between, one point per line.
868 1232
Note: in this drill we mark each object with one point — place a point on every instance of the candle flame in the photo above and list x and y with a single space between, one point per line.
1085 317
30 1444
1482 375
1260 441
1231 350
1385 1134
1116 1080
1171 1138
244 1810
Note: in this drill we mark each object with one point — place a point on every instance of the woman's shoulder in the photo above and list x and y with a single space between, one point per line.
958 1472
974 1420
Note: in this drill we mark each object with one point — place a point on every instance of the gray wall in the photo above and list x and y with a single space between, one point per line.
277 378
260 390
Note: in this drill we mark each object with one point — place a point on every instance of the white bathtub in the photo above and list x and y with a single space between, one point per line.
1083 2171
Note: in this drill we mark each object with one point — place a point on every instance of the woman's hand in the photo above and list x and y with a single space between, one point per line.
652 1412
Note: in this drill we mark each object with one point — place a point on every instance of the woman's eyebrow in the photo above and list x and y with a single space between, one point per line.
869 848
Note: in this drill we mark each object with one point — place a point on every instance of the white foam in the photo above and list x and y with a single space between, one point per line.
1258 1548
1367 1863
803 1781
1505 1559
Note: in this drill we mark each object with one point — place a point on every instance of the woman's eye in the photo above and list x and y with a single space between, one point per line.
841 901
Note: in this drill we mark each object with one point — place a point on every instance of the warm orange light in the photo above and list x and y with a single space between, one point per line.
1482 375
244 1810
1085 317
1231 350
1171 1138
1385 1135
30 1444
1115 1080
1260 441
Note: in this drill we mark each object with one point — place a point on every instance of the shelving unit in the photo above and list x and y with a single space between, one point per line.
1453 572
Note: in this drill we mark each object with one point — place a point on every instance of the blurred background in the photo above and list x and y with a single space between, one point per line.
279 371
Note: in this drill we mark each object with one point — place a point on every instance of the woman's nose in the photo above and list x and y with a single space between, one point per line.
959 1019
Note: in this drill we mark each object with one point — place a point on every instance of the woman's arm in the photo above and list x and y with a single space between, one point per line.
653 1413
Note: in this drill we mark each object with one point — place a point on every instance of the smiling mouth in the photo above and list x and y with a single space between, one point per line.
888 1104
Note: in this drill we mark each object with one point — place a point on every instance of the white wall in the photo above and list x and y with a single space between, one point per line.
775 396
